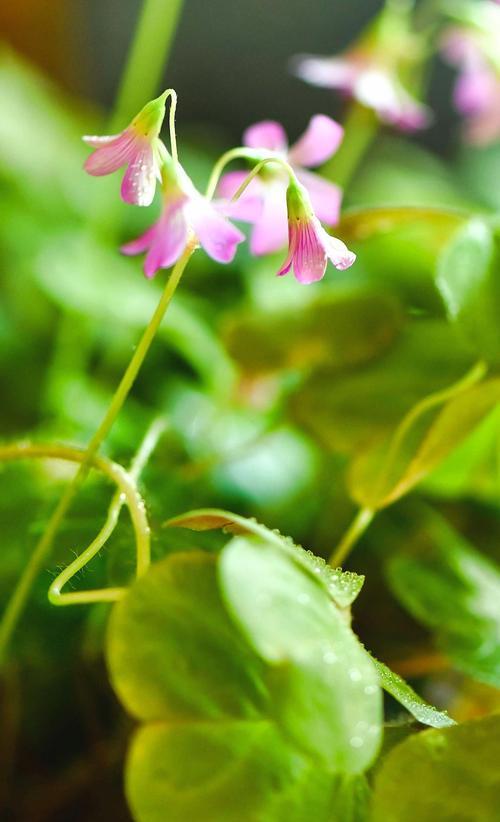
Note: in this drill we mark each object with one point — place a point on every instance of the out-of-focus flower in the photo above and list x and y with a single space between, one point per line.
310 246
185 213
473 48
320 140
137 147
373 70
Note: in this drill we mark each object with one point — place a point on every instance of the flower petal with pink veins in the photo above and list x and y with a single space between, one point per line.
266 134
320 140
309 262
270 231
248 207
326 197
217 235
169 241
139 182
329 72
111 155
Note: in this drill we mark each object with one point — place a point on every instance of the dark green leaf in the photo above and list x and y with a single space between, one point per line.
173 651
468 279
381 475
448 775
455 591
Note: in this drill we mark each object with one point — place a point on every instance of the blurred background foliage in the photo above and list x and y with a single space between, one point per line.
280 400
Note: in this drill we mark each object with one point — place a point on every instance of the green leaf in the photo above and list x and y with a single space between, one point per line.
468 279
343 586
349 409
209 772
404 693
233 770
448 775
173 651
390 469
452 589
337 329
323 683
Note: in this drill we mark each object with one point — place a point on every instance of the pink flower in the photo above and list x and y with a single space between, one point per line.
361 76
320 140
310 246
477 90
137 147
185 212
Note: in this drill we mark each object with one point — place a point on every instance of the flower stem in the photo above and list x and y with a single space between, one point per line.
361 126
146 58
127 490
356 529
44 546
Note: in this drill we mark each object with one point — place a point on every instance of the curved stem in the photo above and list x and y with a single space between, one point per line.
253 173
44 545
117 474
243 153
56 597
171 124
356 529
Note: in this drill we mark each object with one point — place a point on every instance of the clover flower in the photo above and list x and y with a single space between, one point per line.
185 213
137 147
320 140
378 70
363 78
310 246
473 49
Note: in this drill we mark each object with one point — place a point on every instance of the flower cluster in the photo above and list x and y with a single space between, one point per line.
471 45
376 71
285 200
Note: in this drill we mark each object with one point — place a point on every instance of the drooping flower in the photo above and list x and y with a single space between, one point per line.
185 213
473 48
373 70
320 140
137 147
310 246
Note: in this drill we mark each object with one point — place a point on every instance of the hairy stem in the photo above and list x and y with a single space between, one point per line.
56 596
127 489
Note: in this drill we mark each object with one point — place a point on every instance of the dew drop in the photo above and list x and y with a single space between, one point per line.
356 742
303 599
355 675
330 658
370 689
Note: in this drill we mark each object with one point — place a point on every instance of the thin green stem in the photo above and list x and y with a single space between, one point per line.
44 546
253 173
356 529
146 58
127 489
241 153
361 127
